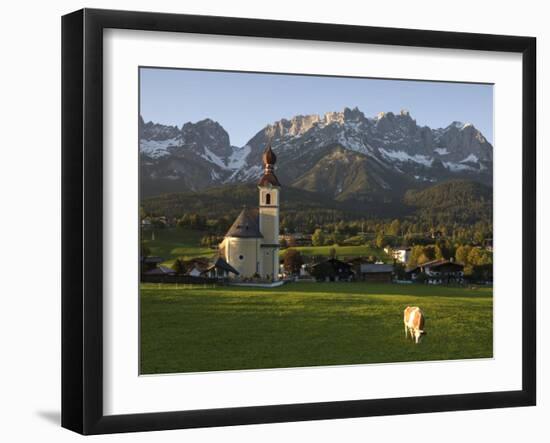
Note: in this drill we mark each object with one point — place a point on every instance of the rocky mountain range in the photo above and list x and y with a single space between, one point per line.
344 155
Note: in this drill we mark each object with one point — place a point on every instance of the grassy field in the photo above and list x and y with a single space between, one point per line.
196 328
171 243
342 251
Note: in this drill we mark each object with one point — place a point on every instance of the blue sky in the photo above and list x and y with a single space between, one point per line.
243 103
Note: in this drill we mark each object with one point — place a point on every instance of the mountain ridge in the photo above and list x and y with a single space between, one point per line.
388 153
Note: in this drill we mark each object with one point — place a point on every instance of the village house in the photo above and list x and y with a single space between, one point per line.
304 273
217 269
376 272
151 267
356 262
149 263
200 268
332 270
251 245
438 272
195 267
160 270
220 269
400 254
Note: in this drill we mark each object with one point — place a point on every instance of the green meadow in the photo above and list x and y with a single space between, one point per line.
342 251
192 328
171 243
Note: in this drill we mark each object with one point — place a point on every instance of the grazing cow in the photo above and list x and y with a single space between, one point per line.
414 323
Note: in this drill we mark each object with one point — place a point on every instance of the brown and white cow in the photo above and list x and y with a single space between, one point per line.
414 323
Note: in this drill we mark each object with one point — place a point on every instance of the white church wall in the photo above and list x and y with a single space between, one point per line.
243 254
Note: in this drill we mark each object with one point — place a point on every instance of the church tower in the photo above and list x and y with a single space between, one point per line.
269 188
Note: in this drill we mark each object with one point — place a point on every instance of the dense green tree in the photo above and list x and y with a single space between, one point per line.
145 251
479 256
318 238
438 252
462 253
193 221
380 239
179 266
293 261
209 241
479 236
421 254
394 228
222 224
336 238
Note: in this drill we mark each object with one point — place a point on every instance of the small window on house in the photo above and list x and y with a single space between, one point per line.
268 199
241 257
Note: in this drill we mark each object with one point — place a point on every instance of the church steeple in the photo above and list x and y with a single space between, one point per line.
269 159
269 188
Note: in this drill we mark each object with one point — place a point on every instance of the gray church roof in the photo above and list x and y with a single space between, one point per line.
247 225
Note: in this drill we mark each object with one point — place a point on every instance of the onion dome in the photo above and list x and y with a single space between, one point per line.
269 158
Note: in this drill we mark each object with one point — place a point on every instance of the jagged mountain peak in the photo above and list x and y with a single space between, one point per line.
300 124
388 122
348 118
155 131
204 123
206 135
389 149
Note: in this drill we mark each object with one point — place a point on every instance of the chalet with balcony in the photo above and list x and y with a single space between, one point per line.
438 272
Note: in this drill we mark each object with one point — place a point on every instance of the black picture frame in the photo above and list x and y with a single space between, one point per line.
82 218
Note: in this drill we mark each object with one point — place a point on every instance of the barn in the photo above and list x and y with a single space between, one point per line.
332 270
376 272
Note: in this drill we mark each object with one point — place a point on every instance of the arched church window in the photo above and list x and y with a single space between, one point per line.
268 199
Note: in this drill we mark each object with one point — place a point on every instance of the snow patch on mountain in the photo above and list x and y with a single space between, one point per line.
424 179
403 157
441 151
460 125
457 167
238 158
470 159
157 148
251 173
352 143
213 158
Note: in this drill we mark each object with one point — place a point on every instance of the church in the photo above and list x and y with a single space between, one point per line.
251 245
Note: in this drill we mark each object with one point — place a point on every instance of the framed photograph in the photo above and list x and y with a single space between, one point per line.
269 221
